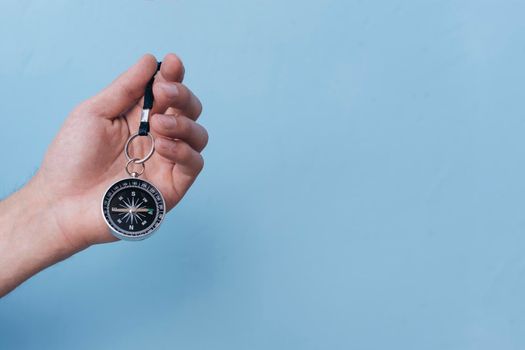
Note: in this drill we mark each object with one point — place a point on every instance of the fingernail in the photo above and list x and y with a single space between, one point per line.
171 89
167 121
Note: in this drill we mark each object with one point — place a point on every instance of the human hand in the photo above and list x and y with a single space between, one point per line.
88 153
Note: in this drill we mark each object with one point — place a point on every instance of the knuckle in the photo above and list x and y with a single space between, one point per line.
184 126
162 145
183 151
205 137
199 164
184 96
158 90
198 107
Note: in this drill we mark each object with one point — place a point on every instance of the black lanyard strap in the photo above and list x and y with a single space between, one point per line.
148 105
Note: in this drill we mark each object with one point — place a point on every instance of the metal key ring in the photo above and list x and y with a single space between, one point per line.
135 173
138 160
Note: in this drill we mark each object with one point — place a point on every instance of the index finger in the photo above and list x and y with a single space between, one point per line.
172 69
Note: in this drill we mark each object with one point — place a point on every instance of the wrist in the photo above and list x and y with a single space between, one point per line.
55 209
30 237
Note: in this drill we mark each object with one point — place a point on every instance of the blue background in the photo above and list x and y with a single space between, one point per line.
364 185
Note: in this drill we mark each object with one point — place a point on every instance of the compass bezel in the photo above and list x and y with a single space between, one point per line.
121 233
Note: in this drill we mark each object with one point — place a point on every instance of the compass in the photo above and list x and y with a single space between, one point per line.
133 209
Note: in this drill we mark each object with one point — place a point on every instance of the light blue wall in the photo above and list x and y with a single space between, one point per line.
364 186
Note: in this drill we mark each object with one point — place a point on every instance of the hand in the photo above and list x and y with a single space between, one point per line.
88 153
58 212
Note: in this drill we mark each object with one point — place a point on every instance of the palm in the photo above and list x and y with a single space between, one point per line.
88 155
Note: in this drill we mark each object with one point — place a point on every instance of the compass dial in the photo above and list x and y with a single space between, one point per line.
133 208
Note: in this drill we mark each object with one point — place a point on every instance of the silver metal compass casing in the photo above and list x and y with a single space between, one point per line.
147 189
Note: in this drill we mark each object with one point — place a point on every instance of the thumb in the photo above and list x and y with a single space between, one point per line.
126 90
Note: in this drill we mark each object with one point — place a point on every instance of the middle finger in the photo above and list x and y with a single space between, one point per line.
176 96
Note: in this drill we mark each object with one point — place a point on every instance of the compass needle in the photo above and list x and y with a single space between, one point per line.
126 217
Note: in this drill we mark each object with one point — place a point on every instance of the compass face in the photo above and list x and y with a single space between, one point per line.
133 209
